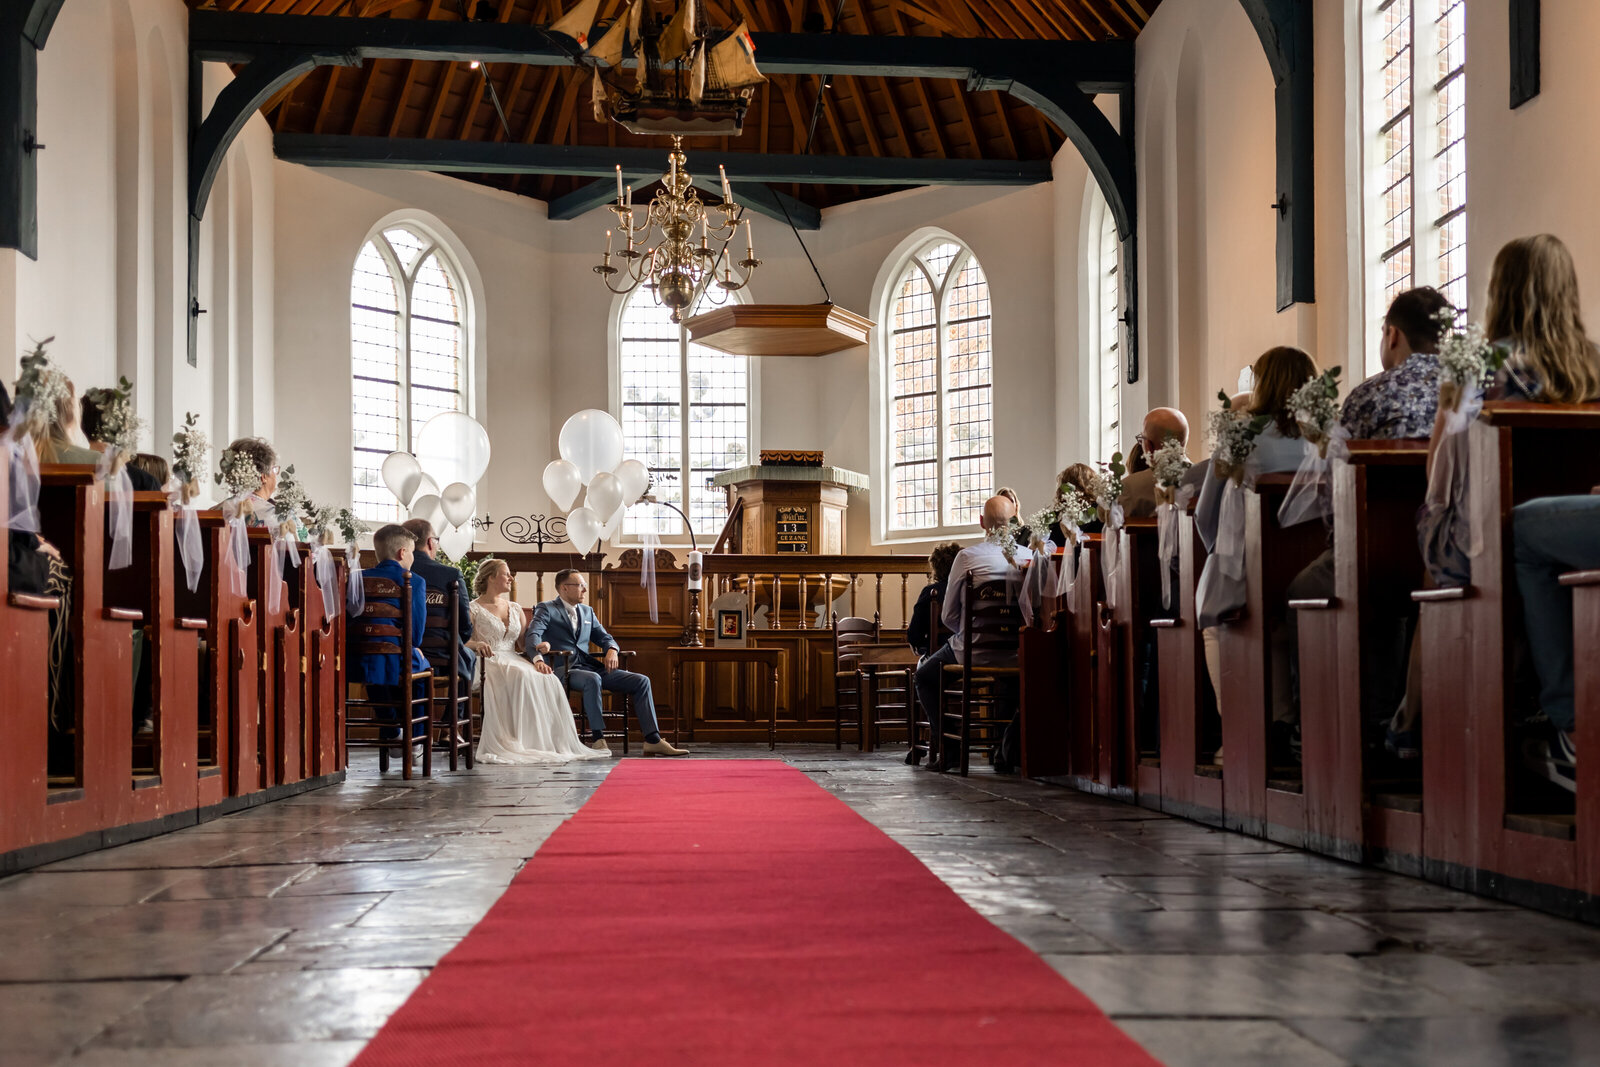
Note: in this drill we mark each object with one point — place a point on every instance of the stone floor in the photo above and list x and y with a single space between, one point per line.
287 934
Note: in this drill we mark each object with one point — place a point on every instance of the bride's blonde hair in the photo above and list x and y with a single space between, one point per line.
486 570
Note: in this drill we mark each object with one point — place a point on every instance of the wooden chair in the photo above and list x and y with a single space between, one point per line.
614 712
452 702
973 694
925 720
411 710
848 632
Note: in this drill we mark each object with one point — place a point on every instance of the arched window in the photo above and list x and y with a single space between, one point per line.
940 417
1415 125
657 368
408 354
1105 265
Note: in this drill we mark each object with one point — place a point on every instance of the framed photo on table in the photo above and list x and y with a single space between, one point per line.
730 628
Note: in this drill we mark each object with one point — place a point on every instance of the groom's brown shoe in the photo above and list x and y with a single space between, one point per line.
663 748
599 745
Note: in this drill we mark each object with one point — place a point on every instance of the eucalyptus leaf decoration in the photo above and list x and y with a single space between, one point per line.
41 389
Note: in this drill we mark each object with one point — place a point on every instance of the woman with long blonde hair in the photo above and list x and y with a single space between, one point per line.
1534 307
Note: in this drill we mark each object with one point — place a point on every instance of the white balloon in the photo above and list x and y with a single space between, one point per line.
425 485
459 502
583 527
399 471
605 494
428 507
635 479
452 447
562 483
591 440
613 525
456 541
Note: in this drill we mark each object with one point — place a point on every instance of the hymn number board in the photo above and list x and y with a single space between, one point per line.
794 529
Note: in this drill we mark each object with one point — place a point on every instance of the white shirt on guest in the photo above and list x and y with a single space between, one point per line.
986 563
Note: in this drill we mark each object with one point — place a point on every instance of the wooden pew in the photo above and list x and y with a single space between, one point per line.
1191 785
1375 499
1486 827
1585 586
1125 643
24 708
323 658
1254 800
233 637
1044 662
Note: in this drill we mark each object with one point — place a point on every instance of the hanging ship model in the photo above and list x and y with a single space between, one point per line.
656 75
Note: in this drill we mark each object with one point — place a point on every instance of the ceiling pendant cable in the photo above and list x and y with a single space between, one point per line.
811 133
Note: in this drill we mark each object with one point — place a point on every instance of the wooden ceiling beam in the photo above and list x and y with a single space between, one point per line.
327 98
440 95
1093 66
445 155
1003 121
965 112
369 74
854 89
928 112
893 107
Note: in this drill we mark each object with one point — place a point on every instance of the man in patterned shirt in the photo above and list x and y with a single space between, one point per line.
1400 402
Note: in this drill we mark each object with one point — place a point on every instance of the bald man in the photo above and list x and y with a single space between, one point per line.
1138 498
984 562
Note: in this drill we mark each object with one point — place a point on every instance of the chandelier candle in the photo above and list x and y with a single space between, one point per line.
677 271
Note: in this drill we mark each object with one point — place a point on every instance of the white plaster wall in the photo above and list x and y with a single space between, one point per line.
1204 131
1533 170
824 403
110 281
323 216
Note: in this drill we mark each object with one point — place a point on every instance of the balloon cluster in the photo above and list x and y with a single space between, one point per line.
591 455
452 451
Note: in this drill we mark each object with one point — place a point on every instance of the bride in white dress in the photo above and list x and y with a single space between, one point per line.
526 718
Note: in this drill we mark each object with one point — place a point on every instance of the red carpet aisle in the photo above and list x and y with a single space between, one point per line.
732 912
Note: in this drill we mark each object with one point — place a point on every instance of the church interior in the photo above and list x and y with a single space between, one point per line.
799 531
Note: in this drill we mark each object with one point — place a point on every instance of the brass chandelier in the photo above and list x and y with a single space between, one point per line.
677 270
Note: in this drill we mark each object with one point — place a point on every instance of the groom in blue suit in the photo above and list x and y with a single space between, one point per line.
567 624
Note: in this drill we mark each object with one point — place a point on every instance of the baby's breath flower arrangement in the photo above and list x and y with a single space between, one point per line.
1108 483
288 499
1005 538
1466 361
1233 438
1169 464
1315 407
332 526
1073 508
40 391
119 426
239 473
190 450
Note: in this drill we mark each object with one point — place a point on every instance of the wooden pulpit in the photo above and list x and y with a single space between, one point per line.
788 507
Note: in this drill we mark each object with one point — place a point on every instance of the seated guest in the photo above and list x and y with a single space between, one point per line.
1551 536
93 428
35 568
919 632
56 433
440 578
395 548
985 561
152 465
567 624
1401 401
1535 313
257 507
1138 497
1081 477
1278 447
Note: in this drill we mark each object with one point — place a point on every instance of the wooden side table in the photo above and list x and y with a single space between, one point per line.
773 658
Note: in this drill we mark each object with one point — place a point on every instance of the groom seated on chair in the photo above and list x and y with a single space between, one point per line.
567 624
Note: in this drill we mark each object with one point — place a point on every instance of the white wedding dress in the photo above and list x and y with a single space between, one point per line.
526 718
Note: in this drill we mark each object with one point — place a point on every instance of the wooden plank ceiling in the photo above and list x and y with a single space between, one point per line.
861 116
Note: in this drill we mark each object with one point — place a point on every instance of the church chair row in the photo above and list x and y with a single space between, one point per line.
242 689
1117 700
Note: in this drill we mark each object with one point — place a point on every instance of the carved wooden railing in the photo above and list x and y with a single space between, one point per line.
790 586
